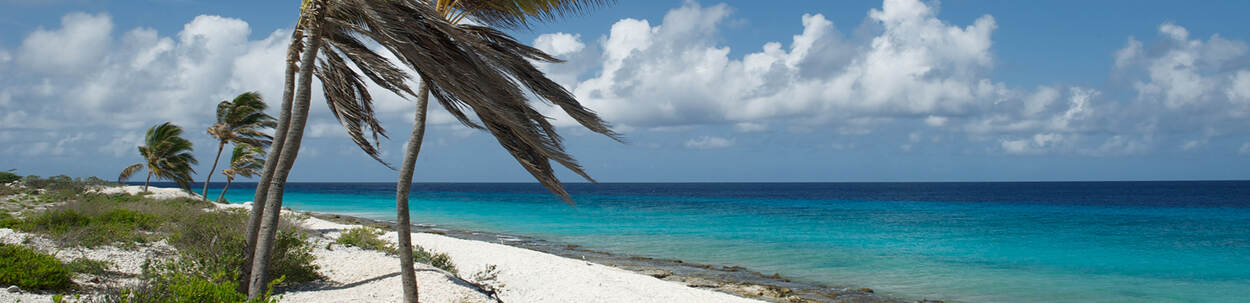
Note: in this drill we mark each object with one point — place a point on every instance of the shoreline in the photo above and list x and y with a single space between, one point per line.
734 280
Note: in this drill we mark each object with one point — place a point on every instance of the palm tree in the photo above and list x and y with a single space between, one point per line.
468 68
242 121
245 161
166 155
454 11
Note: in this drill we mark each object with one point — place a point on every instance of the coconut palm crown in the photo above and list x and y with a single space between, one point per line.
241 121
166 155
470 69
245 161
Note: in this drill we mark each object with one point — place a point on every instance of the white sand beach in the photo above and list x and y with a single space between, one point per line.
356 275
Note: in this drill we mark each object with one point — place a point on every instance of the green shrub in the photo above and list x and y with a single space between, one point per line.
214 242
365 238
8 221
438 260
89 266
29 269
129 218
173 284
55 222
8 177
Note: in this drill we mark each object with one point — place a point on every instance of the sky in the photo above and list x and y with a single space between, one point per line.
703 91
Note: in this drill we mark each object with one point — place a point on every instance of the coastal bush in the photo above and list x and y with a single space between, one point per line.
29 269
213 242
175 283
365 238
7 177
438 260
7 220
89 266
73 227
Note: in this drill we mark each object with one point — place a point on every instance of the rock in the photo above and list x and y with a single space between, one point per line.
657 273
795 299
701 283
13 288
95 280
865 289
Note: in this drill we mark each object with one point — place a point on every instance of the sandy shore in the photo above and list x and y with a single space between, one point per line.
356 275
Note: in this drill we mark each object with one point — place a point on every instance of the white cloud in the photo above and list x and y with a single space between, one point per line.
748 127
81 42
1180 73
709 142
1039 143
1245 149
559 44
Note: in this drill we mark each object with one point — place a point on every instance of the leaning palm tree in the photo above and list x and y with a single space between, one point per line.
245 161
468 68
166 155
242 121
455 12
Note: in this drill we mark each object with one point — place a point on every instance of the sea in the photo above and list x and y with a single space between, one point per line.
958 242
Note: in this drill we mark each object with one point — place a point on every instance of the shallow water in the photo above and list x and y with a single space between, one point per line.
973 242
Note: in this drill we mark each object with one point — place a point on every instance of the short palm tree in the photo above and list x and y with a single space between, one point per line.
242 121
470 69
245 161
166 155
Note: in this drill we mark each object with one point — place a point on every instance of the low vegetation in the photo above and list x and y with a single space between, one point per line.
29 269
89 266
365 238
370 238
209 244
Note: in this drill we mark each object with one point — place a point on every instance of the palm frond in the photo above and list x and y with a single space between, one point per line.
520 13
129 171
350 102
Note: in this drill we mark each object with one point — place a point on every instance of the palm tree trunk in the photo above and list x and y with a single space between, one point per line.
204 194
290 149
404 226
275 150
149 180
223 189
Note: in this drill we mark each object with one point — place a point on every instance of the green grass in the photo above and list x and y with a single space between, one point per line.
365 238
212 241
89 266
210 244
370 238
93 219
32 270
438 260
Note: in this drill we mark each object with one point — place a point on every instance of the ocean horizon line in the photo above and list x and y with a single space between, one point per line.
747 182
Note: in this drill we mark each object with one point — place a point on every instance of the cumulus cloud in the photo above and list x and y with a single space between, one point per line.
913 67
675 73
709 142
81 42
905 71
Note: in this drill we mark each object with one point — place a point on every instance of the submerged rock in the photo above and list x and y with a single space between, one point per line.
657 273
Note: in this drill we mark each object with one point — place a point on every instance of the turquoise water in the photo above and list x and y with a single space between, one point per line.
960 242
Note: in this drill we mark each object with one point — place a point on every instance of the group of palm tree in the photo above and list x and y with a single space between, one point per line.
167 155
479 74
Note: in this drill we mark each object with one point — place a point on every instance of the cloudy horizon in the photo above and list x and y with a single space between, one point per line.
702 91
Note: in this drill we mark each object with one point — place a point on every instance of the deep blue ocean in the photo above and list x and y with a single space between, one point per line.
960 242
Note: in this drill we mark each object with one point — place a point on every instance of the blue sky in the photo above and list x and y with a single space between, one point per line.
896 90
